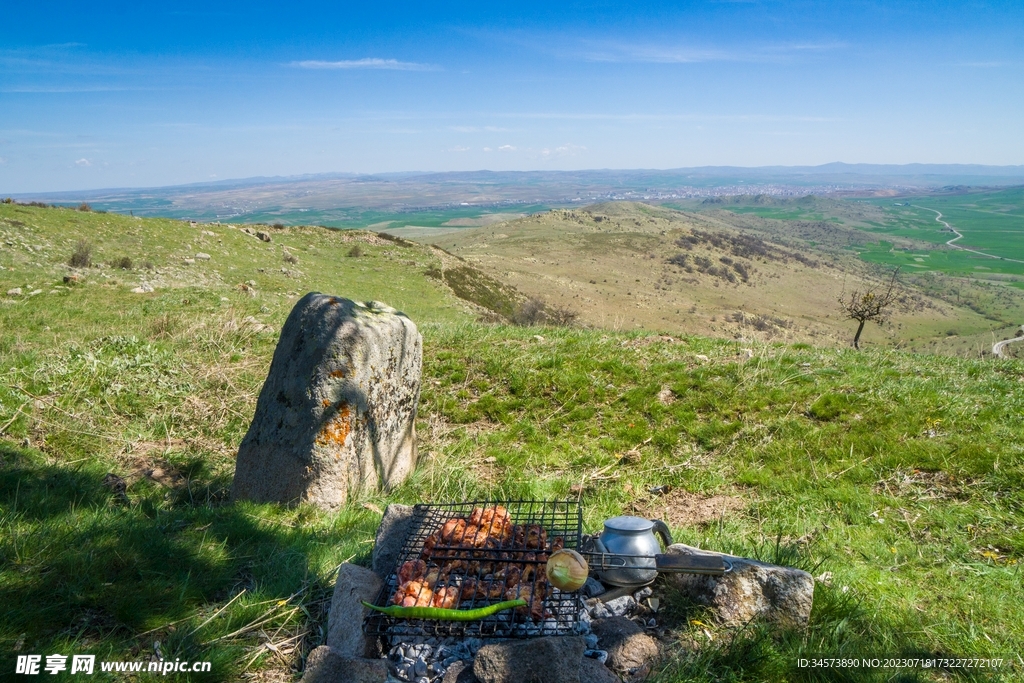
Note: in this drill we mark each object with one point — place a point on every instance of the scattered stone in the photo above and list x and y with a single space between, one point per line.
665 396
701 357
337 412
202 256
265 237
190 262
209 233
72 279
35 292
142 289
345 621
394 528
16 291
538 660
752 590
325 665
631 652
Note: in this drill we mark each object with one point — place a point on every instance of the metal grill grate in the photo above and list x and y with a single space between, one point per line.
464 563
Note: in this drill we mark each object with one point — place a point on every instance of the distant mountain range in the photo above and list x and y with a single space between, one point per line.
335 198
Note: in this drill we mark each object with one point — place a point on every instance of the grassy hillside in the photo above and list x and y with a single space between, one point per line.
633 266
896 478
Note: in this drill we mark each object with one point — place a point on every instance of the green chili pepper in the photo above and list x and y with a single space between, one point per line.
445 614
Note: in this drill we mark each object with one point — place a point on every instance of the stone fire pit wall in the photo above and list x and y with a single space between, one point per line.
337 411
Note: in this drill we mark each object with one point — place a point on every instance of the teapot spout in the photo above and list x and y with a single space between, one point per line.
661 529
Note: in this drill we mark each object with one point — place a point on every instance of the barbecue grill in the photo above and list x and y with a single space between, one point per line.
561 610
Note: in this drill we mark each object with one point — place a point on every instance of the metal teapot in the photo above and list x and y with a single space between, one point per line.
631 543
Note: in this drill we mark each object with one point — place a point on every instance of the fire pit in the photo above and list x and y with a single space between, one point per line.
474 554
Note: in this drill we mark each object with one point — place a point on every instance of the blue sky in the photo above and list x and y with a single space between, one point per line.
130 94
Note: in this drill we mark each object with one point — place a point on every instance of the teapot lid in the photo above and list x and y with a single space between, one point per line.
627 523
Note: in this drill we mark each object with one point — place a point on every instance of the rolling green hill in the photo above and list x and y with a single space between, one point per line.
894 477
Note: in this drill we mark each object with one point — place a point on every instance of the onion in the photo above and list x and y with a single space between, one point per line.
567 570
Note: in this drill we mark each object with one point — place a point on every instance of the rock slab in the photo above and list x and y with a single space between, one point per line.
345 621
337 412
593 671
752 590
631 652
324 665
395 527
538 660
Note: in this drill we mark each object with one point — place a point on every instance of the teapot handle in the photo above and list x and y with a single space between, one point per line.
661 529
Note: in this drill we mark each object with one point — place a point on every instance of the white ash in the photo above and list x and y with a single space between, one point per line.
425 659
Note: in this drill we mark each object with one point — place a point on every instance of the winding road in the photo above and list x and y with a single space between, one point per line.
938 217
997 348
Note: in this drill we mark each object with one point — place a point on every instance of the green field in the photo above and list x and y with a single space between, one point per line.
896 478
991 222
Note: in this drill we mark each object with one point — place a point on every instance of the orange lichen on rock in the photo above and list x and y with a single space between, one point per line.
337 428
337 373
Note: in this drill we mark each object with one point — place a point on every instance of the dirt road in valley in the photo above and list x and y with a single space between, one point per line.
938 217
997 348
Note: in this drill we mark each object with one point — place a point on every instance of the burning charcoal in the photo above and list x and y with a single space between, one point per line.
642 593
591 641
599 655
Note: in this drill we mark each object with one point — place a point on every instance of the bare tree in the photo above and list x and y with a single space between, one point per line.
871 305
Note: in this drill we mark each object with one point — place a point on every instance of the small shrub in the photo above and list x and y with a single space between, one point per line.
562 317
84 207
82 258
8 200
355 252
124 263
534 311
278 226
530 312
148 265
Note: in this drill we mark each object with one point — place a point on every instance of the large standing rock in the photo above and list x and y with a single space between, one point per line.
539 660
338 409
752 590
345 622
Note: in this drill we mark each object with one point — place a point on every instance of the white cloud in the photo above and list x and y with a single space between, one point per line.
487 149
506 148
83 162
459 148
566 150
365 63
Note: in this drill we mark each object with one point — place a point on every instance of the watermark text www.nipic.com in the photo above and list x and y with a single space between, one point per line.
86 664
